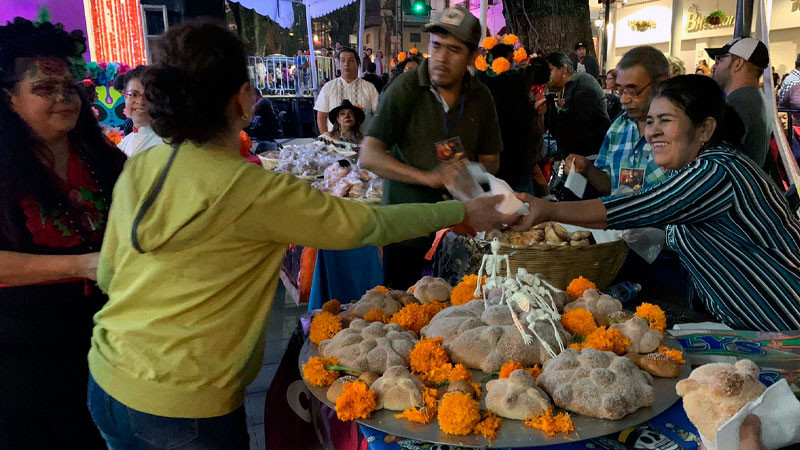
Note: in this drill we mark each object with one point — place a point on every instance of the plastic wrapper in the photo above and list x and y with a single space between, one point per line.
645 242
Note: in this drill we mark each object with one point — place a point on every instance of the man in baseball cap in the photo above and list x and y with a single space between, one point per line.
584 62
738 67
459 23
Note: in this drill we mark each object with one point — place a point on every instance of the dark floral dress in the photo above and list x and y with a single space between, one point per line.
45 329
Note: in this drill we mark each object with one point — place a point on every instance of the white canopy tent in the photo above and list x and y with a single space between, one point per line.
281 11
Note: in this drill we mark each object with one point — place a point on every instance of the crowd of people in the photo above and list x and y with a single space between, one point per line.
185 239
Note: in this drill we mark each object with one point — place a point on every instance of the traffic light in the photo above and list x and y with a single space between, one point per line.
419 8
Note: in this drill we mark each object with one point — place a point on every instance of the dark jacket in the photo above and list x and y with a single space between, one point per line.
375 80
592 67
581 125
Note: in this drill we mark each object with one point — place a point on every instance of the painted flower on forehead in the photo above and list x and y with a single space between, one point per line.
510 39
52 66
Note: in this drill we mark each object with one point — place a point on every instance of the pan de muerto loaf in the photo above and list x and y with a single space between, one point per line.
370 346
373 299
643 338
600 305
516 397
398 389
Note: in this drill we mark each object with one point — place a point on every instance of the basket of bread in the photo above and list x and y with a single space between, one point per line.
562 252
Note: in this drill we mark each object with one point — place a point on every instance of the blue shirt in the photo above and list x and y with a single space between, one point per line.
624 147
733 232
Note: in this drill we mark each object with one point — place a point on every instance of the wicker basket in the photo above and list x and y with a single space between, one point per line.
599 263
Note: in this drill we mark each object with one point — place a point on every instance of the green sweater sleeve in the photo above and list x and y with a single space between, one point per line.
289 211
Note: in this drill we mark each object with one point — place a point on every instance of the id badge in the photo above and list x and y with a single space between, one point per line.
633 178
450 149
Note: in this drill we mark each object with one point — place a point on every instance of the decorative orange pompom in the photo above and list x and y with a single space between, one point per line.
376 315
324 326
116 137
510 39
578 285
550 424
480 63
579 322
673 354
458 413
464 291
509 367
654 316
316 373
520 55
500 65
488 43
607 340
332 306
356 401
430 361
488 427
414 51
401 57
380 288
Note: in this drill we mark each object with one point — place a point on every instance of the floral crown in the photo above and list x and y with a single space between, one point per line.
494 66
103 74
402 57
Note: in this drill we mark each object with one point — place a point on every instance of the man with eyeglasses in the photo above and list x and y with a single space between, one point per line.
738 67
136 105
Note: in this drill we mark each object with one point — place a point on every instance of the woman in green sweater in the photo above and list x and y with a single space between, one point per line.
194 242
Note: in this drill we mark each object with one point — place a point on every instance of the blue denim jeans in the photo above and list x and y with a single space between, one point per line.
124 428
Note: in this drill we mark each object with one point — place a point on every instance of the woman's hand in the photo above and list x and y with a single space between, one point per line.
749 434
86 265
481 214
578 161
537 212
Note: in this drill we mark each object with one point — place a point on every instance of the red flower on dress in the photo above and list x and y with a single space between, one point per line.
47 231
79 175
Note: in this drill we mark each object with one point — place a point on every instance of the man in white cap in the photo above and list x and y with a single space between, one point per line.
738 66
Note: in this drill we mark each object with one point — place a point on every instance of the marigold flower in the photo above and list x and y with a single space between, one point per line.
673 354
550 424
654 316
324 326
315 372
332 306
510 39
356 401
480 63
414 51
579 322
458 413
401 57
510 366
535 371
500 65
488 427
430 361
488 42
578 285
460 372
464 291
607 340
380 288
414 316
424 414
376 315
520 55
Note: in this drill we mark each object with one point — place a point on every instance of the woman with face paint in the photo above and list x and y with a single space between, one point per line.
57 171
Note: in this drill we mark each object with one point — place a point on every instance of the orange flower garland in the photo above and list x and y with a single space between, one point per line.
376 315
414 51
488 43
401 57
654 316
314 371
488 426
480 63
500 65
464 291
673 354
579 322
520 55
550 424
430 361
380 288
332 306
324 326
356 401
606 340
510 39
578 285
458 413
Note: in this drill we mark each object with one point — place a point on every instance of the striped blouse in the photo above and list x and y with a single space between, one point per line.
734 234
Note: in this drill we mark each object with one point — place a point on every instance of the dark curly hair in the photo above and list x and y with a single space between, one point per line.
201 66
21 172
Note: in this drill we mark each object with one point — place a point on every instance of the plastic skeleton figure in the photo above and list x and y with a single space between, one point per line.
493 265
529 295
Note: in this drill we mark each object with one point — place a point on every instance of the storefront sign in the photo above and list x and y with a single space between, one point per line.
697 22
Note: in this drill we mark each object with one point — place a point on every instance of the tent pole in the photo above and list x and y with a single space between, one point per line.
484 16
312 58
361 14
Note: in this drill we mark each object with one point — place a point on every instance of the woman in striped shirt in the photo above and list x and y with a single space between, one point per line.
730 225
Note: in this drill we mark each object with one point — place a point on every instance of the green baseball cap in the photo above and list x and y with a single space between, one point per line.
460 23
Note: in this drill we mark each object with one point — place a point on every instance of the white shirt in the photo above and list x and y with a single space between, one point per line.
360 92
140 141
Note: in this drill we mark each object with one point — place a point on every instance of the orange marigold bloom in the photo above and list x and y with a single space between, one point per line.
654 316
535 371
324 326
520 55
464 291
314 371
550 424
674 354
414 316
424 414
401 57
480 64
576 346
430 361
332 306
460 372
356 401
607 340
412 289
380 288
510 366
510 39
578 285
245 144
579 322
414 51
458 413
376 315
488 426
500 65
488 43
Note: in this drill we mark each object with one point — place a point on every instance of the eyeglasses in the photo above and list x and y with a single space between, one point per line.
632 92
719 58
133 95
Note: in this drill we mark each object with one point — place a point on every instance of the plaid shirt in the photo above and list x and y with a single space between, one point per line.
623 147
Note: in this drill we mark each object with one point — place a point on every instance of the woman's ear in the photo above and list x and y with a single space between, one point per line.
245 99
707 128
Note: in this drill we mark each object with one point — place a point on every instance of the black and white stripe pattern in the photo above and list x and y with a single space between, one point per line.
734 233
